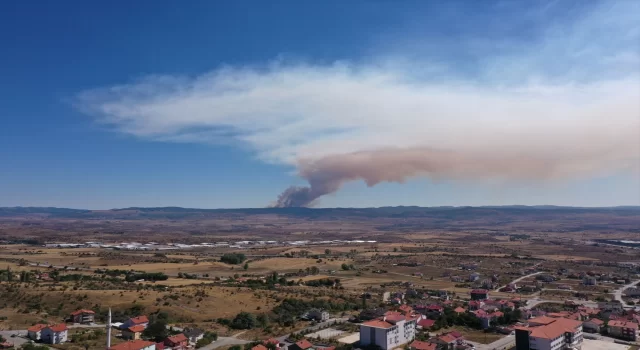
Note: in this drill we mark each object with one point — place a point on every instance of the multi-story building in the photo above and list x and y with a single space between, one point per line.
623 329
479 294
82 316
546 333
388 332
56 334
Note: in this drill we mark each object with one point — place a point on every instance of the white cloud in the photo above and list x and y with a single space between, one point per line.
292 112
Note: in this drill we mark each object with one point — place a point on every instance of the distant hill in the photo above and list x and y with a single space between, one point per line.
381 212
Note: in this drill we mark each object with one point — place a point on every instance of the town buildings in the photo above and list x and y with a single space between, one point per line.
34 332
177 342
136 321
82 316
133 332
388 332
546 333
623 329
55 334
479 294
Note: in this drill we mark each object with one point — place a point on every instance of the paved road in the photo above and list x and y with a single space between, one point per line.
531 303
518 280
617 294
501 344
225 341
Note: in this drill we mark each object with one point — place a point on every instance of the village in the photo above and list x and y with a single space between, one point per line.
408 318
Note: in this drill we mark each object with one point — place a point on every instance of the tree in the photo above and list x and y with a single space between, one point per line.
233 258
236 347
246 266
263 320
244 320
327 252
157 330
344 267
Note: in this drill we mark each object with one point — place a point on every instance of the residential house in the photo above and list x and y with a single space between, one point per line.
590 281
405 309
633 292
135 345
546 333
318 315
193 334
388 332
82 316
474 277
301 345
476 304
177 342
56 334
545 278
486 318
445 341
435 310
422 345
425 324
457 279
623 329
479 294
459 310
275 342
133 332
593 325
259 347
34 332
136 321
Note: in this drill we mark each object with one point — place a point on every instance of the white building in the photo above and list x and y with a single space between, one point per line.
546 333
56 334
35 332
388 332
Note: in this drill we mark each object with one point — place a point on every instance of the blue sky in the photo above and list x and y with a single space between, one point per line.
225 104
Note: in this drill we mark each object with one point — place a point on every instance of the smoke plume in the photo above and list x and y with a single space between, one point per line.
328 174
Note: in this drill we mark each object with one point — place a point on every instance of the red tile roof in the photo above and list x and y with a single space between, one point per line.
132 345
596 321
459 310
479 291
304 344
421 345
456 334
83 311
447 338
271 341
394 318
623 324
60 327
136 329
426 323
377 324
259 347
37 328
542 320
139 319
176 339
555 329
